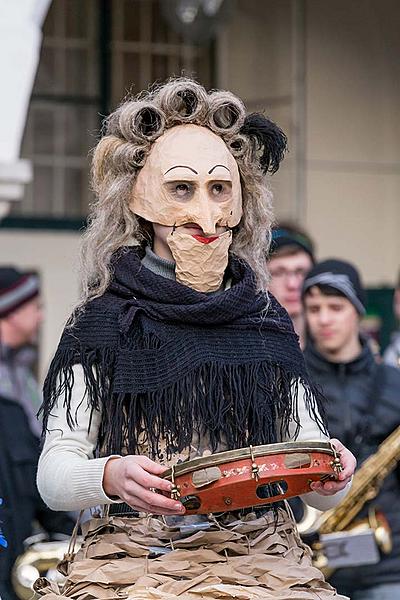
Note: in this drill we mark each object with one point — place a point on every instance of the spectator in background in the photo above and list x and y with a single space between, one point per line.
20 318
363 406
292 256
392 353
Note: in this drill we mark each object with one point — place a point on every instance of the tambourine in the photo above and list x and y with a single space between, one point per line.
252 476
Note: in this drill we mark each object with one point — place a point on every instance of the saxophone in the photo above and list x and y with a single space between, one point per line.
367 482
38 560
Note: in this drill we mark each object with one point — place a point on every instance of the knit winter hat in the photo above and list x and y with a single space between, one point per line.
285 236
16 288
341 276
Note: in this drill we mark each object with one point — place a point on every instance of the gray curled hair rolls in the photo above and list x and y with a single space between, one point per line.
256 143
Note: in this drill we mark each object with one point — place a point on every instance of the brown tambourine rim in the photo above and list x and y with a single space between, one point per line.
242 453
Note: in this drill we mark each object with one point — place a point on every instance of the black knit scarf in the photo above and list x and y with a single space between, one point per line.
163 361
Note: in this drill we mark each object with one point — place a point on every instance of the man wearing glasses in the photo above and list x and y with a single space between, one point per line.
291 258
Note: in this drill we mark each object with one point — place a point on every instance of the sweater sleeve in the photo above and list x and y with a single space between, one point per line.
69 477
309 431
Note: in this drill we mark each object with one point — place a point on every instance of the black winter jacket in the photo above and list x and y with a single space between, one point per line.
19 454
363 408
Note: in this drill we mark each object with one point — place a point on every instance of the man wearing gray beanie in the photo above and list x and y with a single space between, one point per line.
363 407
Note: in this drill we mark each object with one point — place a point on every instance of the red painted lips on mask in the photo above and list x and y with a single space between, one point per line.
205 240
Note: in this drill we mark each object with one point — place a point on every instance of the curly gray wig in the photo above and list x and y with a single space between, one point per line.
257 144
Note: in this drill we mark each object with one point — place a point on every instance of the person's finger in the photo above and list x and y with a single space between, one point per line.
141 506
349 465
348 459
319 488
146 480
346 474
137 504
134 490
337 443
155 510
149 465
346 481
334 486
329 488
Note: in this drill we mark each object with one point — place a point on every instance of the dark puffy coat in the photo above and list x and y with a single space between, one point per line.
19 454
363 408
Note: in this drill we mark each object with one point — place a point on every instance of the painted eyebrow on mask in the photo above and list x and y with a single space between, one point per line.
215 166
181 167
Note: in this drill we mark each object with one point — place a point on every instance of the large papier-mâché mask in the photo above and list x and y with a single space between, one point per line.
191 177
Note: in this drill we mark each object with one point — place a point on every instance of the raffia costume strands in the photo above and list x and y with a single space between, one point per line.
250 559
167 365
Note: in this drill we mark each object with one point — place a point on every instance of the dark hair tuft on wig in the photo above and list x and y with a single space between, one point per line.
269 138
189 100
148 121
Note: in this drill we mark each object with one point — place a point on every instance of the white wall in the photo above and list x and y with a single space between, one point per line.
352 119
353 143
254 61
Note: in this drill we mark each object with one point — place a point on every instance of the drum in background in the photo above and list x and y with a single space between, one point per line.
252 476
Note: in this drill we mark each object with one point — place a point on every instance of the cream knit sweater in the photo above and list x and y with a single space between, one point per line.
70 478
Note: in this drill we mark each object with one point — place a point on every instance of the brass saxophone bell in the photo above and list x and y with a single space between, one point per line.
39 561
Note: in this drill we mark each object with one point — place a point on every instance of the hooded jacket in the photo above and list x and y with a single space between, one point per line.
363 409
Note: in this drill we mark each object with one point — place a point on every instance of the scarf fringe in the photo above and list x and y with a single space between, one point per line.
97 366
255 403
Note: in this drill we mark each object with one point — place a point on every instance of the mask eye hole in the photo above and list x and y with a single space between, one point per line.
182 189
217 189
220 190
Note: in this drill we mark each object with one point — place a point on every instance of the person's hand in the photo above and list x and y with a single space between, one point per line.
133 479
328 488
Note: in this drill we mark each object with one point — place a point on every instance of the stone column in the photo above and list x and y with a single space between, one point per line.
20 42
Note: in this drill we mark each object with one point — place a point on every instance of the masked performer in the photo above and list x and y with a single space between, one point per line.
177 351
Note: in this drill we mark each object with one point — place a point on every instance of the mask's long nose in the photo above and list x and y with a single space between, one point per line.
207 224
206 214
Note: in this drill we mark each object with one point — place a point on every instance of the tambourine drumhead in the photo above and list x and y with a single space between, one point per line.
251 476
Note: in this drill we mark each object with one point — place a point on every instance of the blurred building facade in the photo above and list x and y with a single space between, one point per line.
327 72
